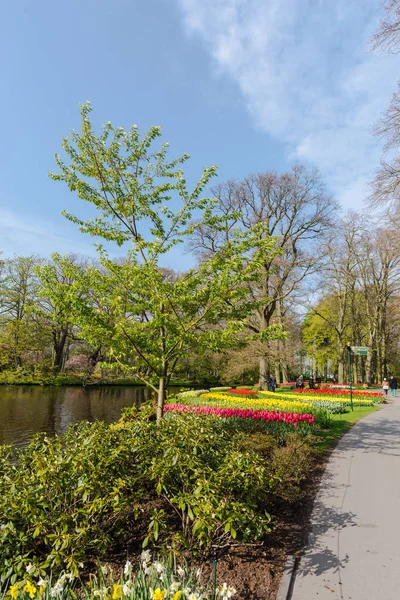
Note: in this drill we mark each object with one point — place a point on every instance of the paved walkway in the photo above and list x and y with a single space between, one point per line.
354 546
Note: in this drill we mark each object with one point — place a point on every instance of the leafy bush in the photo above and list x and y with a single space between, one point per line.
291 465
64 500
217 491
67 501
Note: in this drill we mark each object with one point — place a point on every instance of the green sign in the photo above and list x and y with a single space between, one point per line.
360 350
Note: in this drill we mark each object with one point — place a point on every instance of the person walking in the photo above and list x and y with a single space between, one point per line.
393 385
385 386
272 383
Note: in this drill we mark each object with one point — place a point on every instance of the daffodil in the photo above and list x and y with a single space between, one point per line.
128 568
13 591
180 571
30 589
117 591
158 594
177 595
30 569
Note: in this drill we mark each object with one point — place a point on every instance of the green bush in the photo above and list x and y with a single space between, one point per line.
217 491
65 500
291 465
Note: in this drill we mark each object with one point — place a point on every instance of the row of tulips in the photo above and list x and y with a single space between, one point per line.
335 392
238 413
260 403
242 392
282 402
299 397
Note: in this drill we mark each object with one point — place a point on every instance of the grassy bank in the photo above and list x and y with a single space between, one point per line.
340 424
81 379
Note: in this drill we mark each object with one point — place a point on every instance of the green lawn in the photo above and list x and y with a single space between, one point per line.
342 423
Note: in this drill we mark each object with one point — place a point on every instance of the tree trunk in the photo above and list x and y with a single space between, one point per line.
58 346
277 372
264 368
160 398
285 377
340 371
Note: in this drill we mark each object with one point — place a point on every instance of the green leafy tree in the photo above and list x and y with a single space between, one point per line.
149 317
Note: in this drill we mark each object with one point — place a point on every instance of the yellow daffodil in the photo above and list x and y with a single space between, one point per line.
30 589
13 591
117 592
158 594
177 595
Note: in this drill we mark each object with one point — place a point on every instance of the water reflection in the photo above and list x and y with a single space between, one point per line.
25 410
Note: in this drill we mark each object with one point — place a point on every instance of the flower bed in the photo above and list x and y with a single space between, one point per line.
153 580
275 404
339 392
265 415
191 393
242 392
343 399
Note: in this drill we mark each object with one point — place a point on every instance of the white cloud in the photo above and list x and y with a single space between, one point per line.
23 234
306 76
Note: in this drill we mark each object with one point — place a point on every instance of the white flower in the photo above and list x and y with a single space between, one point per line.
128 568
158 567
181 571
230 592
42 583
126 589
222 589
175 585
104 569
102 593
30 569
57 589
146 556
186 591
193 596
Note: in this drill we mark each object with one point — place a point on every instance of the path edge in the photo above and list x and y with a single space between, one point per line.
288 578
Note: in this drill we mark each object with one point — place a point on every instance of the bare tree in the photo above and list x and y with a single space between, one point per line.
385 186
378 259
298 211
388 35
339 281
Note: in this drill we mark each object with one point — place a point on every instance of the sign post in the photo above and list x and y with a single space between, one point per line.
360 351
349 349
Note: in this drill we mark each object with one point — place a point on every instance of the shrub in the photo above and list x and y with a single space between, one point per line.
217 491
65 500
290 466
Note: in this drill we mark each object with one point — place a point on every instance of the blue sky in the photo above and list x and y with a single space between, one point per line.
246 84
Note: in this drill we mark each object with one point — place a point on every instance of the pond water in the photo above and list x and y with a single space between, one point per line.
25 410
